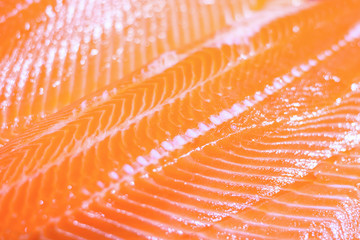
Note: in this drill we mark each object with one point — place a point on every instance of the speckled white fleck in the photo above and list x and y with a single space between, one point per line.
141 160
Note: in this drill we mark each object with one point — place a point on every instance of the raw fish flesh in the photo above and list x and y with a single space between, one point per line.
169 119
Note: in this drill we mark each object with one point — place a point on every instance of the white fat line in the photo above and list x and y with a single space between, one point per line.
242 30
168 146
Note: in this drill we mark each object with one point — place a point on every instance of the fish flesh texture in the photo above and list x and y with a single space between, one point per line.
55 52
246 126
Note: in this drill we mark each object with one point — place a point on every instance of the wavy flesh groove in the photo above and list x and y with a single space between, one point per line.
252 135
60 51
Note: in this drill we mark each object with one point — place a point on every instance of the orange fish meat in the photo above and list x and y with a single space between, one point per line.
60 51
180 119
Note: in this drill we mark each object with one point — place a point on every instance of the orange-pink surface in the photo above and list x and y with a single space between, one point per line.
170 119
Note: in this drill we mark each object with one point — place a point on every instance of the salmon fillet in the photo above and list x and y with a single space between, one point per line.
241 121
60 51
